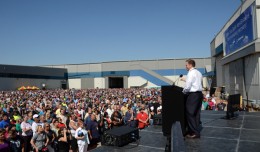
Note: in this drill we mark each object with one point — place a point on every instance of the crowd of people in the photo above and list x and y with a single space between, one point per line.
213 103
71 120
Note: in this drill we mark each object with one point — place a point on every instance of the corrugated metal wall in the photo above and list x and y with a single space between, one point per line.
252 76
234 77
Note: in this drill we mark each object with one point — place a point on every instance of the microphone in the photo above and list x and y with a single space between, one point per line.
181 75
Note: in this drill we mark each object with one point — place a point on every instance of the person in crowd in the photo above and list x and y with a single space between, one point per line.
51 136
205 104
42 119
4 122
36 123
116 119
63 116
40 139
73 126
30 117
142 118
15 142
93 131
58 111
129 118
18 126
221 106
55 126
80 111
26 133
106 123
82 137
61 124
48 117
109 111
88 116
16 116
124 108
63 143
4 146
152 114
211 104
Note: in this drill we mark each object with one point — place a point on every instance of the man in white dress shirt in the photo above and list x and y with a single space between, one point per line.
193 90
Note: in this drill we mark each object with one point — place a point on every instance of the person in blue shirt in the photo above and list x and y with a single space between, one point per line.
4 122
92 128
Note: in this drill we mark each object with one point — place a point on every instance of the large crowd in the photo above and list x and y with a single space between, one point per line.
71 120
74 120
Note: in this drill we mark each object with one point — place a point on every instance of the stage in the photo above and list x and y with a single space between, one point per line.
239 135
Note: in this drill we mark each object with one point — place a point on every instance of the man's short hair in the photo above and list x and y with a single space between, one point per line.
191 62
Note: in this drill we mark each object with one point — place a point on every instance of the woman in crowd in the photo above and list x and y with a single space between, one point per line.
51 136
54 126
63 140
40 140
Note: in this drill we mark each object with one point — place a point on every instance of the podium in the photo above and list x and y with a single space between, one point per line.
173 108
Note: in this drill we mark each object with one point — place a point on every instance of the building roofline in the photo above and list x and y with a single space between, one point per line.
129 61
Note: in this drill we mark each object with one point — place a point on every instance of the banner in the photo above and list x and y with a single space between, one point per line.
240 32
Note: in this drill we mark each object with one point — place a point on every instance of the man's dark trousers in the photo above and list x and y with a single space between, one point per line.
193 109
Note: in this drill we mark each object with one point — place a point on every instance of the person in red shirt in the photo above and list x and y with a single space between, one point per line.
142 118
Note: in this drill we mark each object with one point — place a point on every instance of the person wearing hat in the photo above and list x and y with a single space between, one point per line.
36 123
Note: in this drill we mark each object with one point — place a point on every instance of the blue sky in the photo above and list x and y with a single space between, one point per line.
46 32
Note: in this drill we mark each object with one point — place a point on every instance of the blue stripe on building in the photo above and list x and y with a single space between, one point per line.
141 73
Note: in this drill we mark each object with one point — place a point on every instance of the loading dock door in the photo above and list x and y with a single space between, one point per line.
116 82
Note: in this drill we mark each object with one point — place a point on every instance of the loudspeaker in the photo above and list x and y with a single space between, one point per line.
233 105
172 108
120 136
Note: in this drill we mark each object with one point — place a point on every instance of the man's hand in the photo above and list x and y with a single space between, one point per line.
183 79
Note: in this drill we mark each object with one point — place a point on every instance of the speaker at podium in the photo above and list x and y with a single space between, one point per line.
173 108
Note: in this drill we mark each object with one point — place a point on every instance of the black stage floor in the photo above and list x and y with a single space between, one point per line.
239 135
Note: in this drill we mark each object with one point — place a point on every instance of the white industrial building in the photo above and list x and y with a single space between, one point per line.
116 74
235 52
128 74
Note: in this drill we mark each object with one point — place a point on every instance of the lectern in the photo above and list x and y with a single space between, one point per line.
173 108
